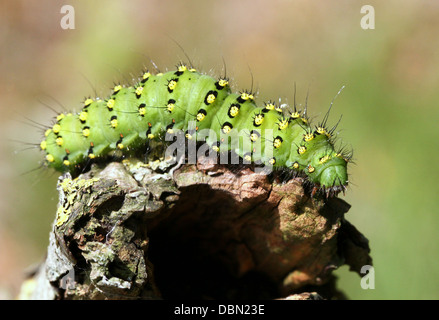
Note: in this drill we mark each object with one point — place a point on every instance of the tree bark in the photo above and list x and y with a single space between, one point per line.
147 231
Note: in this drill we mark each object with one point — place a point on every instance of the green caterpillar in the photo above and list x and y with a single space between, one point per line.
164 103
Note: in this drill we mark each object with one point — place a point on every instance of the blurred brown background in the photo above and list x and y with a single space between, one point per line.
389 106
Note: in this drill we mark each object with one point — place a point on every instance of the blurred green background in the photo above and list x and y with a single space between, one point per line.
389 106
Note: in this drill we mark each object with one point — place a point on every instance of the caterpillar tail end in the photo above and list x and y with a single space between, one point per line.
333 180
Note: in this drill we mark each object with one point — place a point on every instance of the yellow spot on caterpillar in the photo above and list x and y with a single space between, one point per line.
210 98
142 111
259 118
234 110
272 161
304 120
277 143
279 109
56 128
146 75
283 124
83 116
120 146
223 82
169 128
91 155
150 136
295 115
311 169
159 74
192 70
60 117
226 129
301 150
170 107
113 123
59 141
246 96
308 137
117 88
215 148
172 85
182 68
110 104
43 145
86 132
341 156
139 90
48 131
324 159
270 106
248 157
321 130
88 102
295 165
200 116
254 136
66 163
188 136
50 158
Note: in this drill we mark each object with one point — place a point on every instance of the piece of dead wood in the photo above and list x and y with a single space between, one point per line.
134 231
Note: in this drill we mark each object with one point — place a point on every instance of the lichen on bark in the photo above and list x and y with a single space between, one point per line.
142 231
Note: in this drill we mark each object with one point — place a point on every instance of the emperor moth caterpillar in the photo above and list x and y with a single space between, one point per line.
165 102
